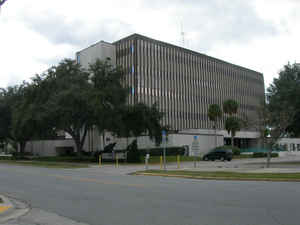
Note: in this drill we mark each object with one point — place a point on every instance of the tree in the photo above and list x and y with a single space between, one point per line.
80 99
284 106
5 116
230 107
141 119
21 114
232 123
109 95
214 114
278 114
69 105
284 96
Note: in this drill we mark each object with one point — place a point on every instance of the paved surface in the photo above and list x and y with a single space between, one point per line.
99 196
24 215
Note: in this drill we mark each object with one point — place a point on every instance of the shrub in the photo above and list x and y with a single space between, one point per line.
263 154
133 154
172 151
65 151
235 150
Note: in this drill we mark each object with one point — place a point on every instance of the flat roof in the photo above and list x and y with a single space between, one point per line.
135 35
90 46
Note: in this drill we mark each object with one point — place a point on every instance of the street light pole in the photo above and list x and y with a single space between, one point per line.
164 136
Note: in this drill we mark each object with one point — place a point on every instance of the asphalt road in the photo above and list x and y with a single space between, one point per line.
97 197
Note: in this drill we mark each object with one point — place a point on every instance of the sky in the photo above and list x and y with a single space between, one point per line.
262 35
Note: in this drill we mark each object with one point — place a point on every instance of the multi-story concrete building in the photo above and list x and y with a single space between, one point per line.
183 83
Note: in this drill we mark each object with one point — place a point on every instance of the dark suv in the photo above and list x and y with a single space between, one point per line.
221 154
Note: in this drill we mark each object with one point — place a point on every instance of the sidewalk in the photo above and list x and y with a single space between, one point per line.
5 205
250 165
20 213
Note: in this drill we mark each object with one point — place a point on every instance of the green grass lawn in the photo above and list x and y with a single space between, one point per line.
156 159
64 165
226 175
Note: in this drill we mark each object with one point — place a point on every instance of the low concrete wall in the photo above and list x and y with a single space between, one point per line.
206 142
290 144
48 147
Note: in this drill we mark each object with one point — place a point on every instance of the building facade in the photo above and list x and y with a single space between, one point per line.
182 82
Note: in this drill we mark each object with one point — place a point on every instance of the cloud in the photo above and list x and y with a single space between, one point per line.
58 30
205 22
215 21
38 34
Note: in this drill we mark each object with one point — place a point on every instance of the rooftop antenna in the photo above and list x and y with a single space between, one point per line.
182 34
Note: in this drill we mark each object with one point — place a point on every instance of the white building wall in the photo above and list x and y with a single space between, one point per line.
48 147
101 50
290 144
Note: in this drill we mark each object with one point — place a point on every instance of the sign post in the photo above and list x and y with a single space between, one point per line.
147 157
195 148
164 139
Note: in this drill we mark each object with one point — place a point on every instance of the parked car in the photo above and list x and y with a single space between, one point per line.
221 154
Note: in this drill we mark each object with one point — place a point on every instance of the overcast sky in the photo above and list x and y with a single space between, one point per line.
262 35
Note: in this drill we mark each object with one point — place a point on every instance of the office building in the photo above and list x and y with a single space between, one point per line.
183 83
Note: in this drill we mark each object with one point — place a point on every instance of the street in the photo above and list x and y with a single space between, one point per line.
97 197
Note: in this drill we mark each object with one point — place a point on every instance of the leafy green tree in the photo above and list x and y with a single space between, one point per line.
141 119
69 105
283 106
214 114
5 116
230 107
284 96
21 115
108 94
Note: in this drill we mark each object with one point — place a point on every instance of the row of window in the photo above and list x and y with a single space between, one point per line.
157 54
174 82
290 147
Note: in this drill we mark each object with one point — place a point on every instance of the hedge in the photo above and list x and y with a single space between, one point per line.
263 154
235 150
171 151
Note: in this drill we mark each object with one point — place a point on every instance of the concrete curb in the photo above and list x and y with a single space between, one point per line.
12 209
6 207
216 178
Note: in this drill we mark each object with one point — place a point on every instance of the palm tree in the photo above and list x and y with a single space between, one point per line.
230 107
214 114
232 124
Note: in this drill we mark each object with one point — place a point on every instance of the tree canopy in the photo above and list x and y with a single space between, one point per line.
214 114
284 100
232 123
72 99
230 107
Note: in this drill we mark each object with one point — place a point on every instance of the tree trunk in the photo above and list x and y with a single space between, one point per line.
269 157
22 148
215 135
232 141
78 146
103 139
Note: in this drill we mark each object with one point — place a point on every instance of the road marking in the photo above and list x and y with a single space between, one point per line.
4 208
75 178
97 181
